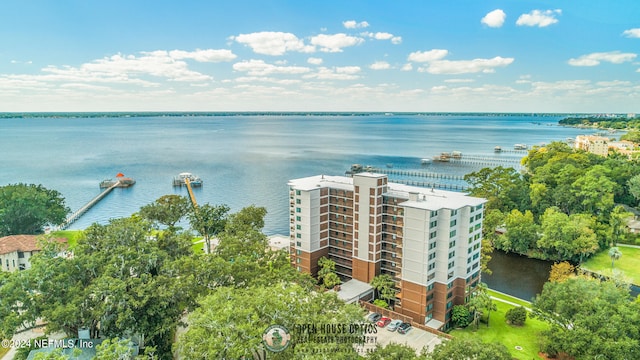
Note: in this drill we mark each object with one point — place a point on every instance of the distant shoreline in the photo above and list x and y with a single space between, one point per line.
125 114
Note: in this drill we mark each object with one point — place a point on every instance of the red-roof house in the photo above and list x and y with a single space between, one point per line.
15 251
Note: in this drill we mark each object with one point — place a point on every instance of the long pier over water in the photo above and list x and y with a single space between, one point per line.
108 186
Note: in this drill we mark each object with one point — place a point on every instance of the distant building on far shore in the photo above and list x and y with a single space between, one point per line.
601 145
427 240
598 145
16 250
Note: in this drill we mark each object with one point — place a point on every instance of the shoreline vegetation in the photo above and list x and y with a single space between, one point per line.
110 114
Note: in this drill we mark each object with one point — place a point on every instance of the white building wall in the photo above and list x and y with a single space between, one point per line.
415 245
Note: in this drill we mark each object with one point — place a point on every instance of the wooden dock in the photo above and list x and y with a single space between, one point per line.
425 174
425 184
76 215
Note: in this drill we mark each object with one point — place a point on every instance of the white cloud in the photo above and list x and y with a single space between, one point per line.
466 66
457 81
314 61
593 59
632 33
352 24
407 67
261 68
539 18
209 55
336 73
494 19
273 43
384 36
426 56
336 42
127 68
380 65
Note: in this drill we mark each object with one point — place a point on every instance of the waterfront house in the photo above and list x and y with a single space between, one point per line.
16 250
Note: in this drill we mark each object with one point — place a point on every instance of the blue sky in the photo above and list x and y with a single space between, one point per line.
330 55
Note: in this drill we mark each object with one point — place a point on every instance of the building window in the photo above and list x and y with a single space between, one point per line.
20 254
298 201
432 256
298 210
452 244
449 295
298 252
432 245
433 223
298 268
299 236
433 234
298 243
429 307
434 213
470 219
451 264
297 192
452 254
479 216
432 266
431 276
430 287
297 260
454 212
298 218
449 305
452 233
453 223
299 227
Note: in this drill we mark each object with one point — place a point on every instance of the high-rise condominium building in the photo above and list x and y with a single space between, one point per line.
427 240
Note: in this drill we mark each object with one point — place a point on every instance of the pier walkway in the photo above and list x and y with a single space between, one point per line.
76 215
416 173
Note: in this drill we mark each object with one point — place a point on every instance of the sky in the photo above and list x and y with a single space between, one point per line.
330 55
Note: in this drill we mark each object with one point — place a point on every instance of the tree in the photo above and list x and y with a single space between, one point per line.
120 281
618 223
567 237
327 267
26 209
561 271
461 316
492 220
516 316
588 317
230 322
504 188
393 351
481 304
522 232
634 187
166 210
469 348
384 287
209 221
614 254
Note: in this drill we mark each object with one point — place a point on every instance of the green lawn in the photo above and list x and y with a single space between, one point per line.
511 336
628 264
71 235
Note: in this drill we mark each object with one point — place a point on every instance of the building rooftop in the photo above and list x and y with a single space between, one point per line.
430 199
353 290
13 243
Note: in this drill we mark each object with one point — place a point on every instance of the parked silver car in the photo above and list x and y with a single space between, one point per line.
393 325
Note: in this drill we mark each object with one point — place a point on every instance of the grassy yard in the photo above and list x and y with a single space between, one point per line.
628 264
525 336
71 235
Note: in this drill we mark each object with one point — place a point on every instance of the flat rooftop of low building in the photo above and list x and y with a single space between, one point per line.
353 290
277 242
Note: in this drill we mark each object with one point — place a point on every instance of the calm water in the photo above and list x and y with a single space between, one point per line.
517 275
242 160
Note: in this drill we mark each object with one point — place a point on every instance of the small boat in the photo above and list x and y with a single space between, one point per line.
443 157
520 147
389 165
456 155
425 161
180 180
497 149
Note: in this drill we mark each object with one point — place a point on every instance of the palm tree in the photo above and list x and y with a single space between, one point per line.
614 254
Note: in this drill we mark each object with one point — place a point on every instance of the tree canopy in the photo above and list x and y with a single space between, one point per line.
587 318
27 209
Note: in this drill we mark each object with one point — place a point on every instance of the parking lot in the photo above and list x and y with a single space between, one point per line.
415 338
